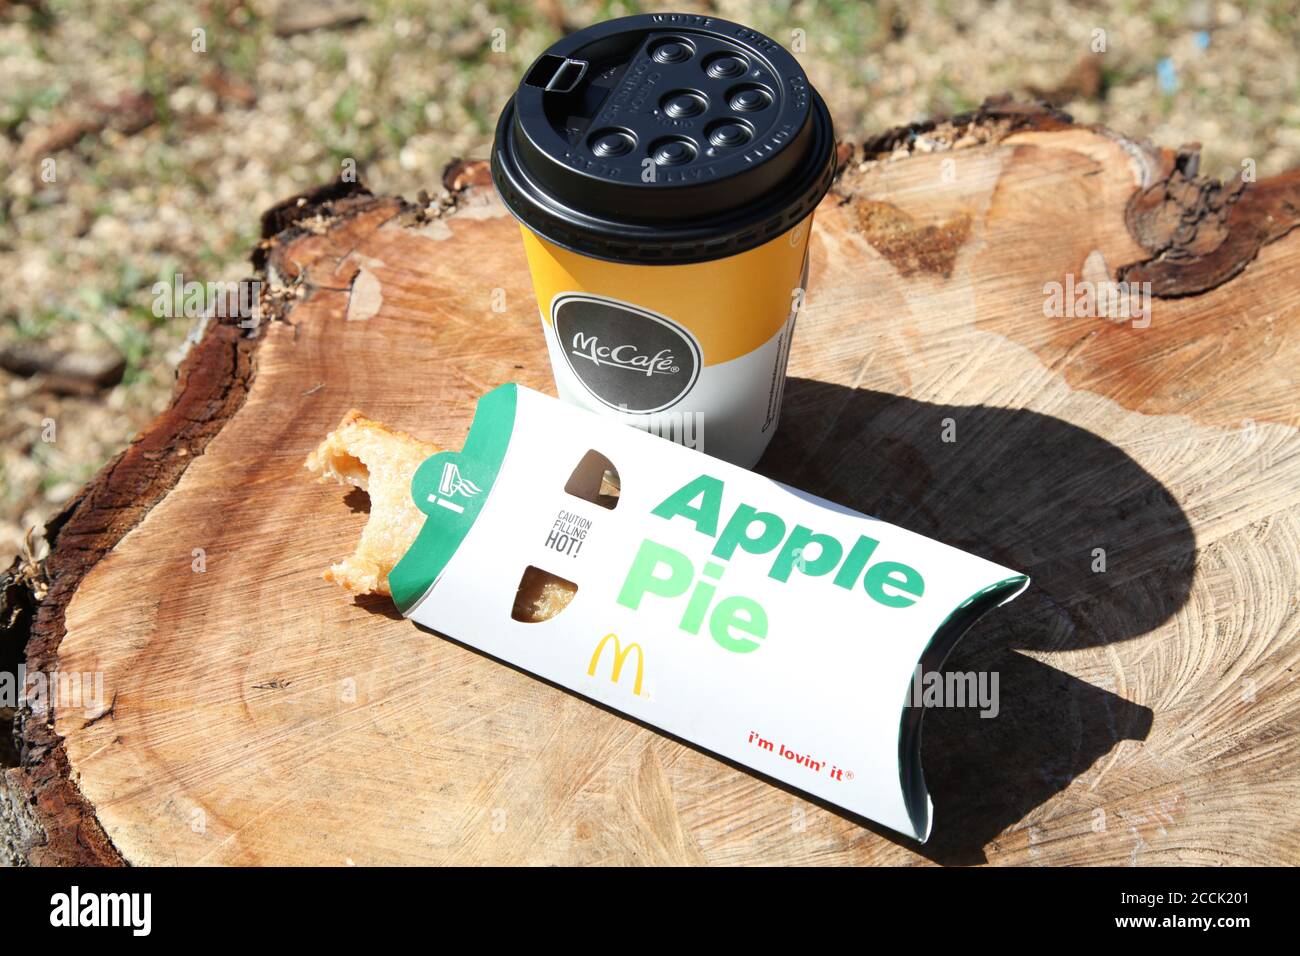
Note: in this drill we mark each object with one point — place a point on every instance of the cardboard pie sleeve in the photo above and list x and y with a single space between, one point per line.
757 622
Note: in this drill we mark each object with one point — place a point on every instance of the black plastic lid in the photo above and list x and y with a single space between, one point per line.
663 138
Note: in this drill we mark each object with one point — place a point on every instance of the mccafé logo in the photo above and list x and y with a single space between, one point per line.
738 622
623 356
628 358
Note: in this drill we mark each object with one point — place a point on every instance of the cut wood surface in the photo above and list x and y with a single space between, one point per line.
1147 475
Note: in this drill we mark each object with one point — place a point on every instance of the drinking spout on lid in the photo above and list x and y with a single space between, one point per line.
556 74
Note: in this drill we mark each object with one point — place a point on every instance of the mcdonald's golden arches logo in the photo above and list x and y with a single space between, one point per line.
620 658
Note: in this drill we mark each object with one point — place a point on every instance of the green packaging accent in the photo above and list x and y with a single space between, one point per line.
451 488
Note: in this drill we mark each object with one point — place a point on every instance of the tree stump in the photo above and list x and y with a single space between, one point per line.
1145 473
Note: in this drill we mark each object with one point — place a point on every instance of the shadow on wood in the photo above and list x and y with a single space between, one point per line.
1110 551
986 775
1036 494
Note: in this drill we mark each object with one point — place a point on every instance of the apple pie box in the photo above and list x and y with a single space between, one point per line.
759 622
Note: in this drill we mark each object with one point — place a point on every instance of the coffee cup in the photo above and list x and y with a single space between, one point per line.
664 169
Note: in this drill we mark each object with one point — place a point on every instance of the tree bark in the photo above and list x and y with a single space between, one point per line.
1145 473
